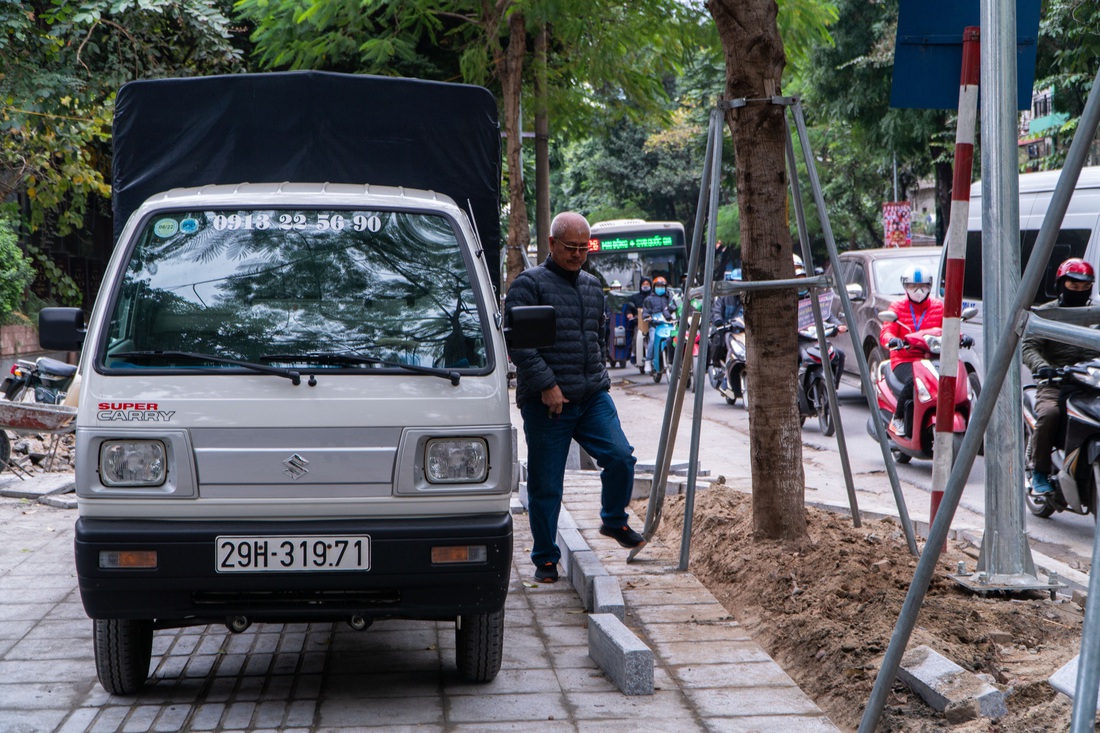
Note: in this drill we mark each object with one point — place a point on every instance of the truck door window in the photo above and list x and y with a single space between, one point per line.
243 283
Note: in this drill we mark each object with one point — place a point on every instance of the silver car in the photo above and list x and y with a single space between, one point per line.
872 278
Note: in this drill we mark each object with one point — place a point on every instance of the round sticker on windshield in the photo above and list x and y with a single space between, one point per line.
166 228
189 225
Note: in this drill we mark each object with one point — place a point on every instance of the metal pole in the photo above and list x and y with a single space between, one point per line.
704 335
830 386
1005 554
1088 662
999 367
660 474
857 348
943 447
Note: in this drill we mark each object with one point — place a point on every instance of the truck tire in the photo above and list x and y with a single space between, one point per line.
479 645
123 648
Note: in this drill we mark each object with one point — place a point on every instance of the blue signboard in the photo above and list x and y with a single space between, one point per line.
928 53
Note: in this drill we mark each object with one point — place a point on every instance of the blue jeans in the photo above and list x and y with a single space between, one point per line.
594 424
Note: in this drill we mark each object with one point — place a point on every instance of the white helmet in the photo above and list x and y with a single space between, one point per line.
917 282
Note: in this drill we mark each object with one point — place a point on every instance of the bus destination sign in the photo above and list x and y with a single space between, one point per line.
633 243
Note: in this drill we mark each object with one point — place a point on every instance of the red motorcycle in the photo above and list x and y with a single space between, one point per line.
920 413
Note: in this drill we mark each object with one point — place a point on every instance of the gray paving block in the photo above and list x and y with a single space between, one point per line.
584 567
59 501
607 597
942 683
39 485
523 500
650 466
565 520
1065 679
570 542
620 654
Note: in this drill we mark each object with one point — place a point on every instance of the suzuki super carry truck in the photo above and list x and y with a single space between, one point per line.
294 404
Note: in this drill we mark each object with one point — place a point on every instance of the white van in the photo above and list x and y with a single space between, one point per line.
295 395
1079 236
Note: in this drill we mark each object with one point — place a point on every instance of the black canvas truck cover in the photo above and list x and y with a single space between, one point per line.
310 127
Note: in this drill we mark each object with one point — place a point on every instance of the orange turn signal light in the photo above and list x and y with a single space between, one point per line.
128 559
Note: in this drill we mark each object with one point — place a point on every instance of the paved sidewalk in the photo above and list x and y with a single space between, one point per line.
396 676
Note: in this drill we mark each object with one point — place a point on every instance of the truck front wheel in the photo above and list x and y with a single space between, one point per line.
479 645
123 648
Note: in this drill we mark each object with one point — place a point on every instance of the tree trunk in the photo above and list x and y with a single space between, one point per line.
542 147
754 67
511 82
945 170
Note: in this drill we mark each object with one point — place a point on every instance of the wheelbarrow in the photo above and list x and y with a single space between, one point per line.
33 418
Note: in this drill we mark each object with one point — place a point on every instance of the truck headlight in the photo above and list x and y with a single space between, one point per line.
456 460
132 463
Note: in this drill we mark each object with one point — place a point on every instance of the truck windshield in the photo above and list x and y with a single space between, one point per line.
243 284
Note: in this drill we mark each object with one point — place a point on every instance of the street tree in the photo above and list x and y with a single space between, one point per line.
754 69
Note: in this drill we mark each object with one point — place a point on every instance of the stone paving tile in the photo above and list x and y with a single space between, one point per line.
527 726
744 674
680 614
648 725
344 712
735 701
31 720
498 708
661 705
771 724
696 632
678 653
682 597
515 681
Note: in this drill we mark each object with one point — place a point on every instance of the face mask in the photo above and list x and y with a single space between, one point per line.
645 288
660 291
1074 298
918 295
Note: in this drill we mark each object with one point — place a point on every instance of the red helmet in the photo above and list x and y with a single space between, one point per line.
659 281
1077 269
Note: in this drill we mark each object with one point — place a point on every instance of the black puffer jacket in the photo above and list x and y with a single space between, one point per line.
575 361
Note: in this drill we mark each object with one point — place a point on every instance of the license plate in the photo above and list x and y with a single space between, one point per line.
292 553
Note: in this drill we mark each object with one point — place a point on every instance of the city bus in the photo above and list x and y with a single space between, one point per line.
629 249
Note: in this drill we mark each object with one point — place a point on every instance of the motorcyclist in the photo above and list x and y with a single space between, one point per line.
724 309
657 303
630 311
1044 357
918 310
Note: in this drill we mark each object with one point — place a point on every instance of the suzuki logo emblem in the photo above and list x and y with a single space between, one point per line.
296 466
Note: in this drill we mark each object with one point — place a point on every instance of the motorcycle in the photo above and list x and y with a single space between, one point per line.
662 328
43 380
920 414
1076 459
813 393
729 378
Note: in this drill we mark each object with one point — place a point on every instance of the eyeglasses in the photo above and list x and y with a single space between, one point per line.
572 246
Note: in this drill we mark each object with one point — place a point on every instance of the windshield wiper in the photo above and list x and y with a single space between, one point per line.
361 359
295 377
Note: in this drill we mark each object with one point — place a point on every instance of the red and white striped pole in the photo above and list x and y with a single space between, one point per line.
943 446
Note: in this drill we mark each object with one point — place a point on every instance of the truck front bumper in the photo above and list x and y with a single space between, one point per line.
186 588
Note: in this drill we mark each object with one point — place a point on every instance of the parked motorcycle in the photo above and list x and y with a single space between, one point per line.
920 414
729 378
813 393
43 380
1076 461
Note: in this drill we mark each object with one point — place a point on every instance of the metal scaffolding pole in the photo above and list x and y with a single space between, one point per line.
1089 669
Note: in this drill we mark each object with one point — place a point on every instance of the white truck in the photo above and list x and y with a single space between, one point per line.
294 403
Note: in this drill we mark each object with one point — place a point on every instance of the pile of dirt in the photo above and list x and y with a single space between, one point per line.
826 612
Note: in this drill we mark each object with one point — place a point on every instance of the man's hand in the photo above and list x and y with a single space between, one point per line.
966 341
553 399
895 343
1047 372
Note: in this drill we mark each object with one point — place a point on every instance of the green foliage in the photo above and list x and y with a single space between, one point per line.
15 272
63 288
63 63
1069 44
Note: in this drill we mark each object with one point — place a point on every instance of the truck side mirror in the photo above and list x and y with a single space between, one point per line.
61 329
887 316
969 313
530 327
855 291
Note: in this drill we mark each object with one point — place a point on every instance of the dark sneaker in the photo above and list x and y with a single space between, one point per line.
547 573
624 535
